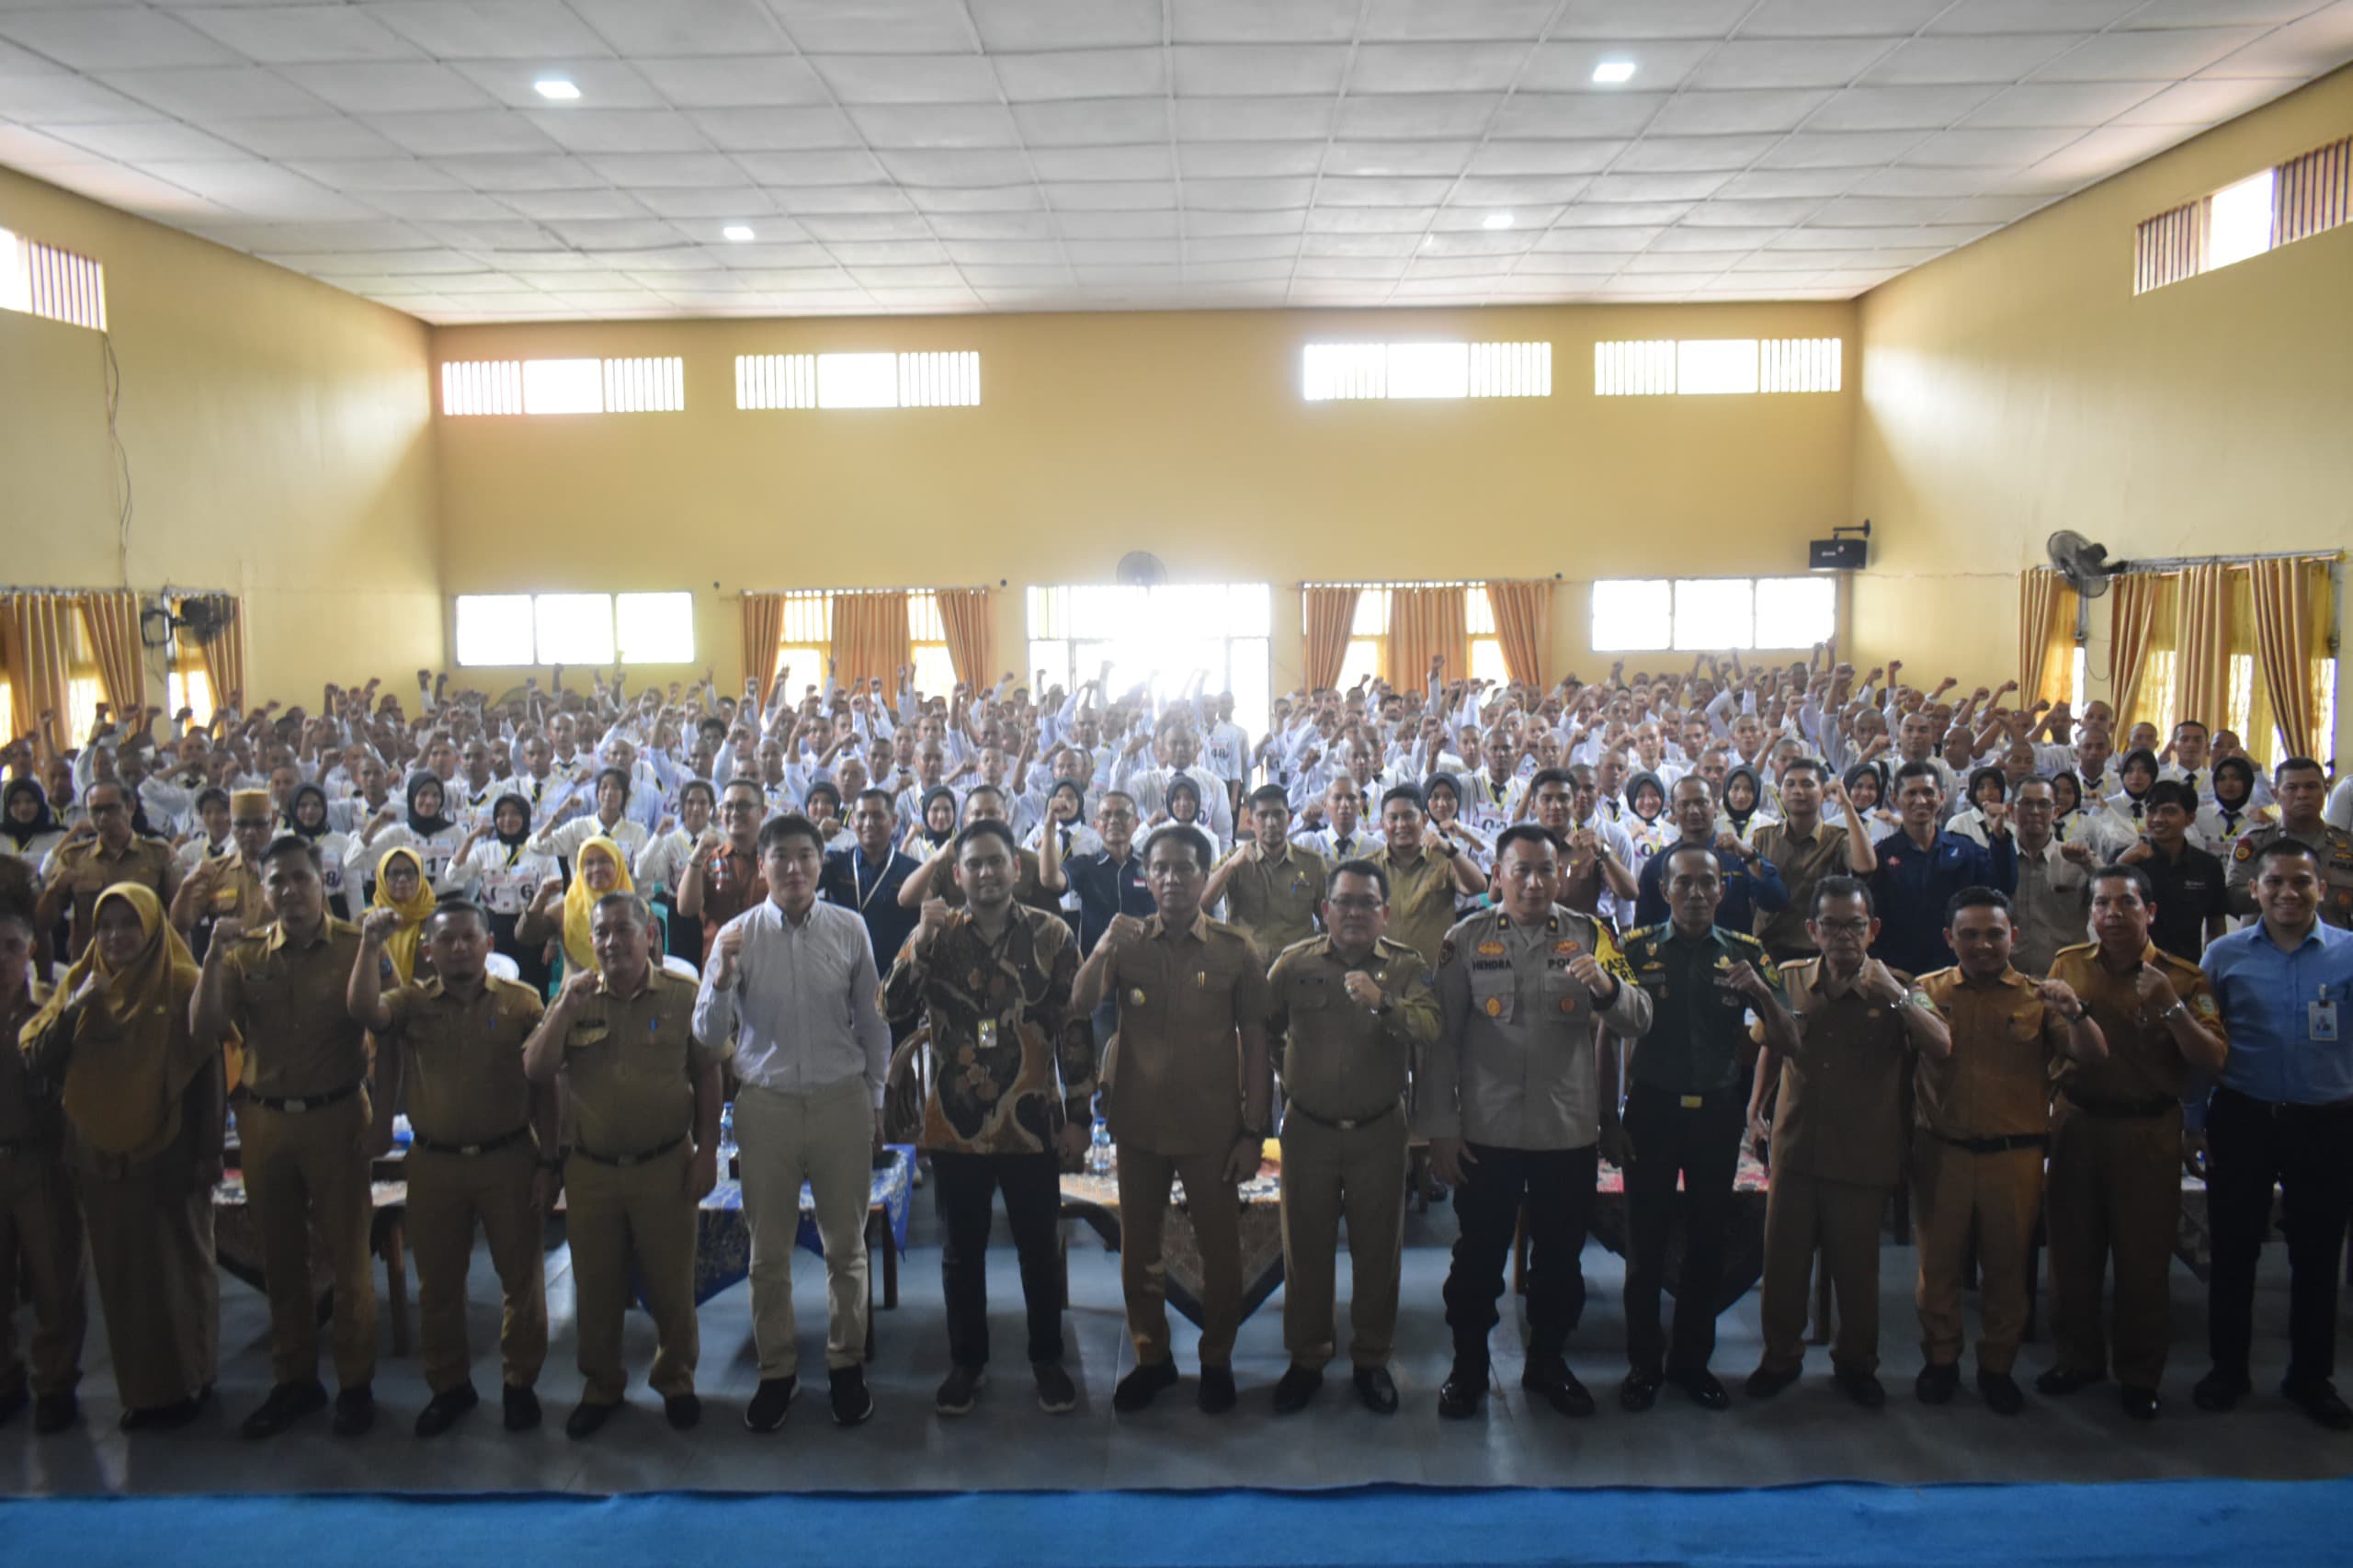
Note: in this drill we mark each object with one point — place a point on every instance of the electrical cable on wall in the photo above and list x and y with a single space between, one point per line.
111 376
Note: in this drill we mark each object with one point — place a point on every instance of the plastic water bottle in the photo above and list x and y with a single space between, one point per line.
726 1137
1099 1152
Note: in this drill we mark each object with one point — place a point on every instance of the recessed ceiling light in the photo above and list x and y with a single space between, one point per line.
1495 221
563 92
739 232
1614 71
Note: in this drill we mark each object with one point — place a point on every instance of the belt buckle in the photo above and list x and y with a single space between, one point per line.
469 1148
1349 1125
626 1160
296 1105
1692 1102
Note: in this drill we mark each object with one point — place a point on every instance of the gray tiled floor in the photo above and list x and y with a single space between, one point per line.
1808 1434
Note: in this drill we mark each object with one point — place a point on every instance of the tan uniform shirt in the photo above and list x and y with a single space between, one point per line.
1996 1083
631 1062
237 889
286 1002
1421 901
2145 1065
463 1077
2050 908
1840 1117
87 867
1342 1061
1177 1085
1273 902
2334 847
1801 862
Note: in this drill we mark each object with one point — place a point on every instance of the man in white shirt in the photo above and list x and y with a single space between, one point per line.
1149 786
606 821
792 981
1343 835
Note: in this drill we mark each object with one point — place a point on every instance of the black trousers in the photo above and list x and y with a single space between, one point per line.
2308 1151
1033 1203
1701 1144
1557 1185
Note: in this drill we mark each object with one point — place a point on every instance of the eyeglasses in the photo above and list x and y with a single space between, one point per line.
1846 928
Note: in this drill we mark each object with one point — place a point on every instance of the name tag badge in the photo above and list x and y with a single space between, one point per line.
2321 1018
1200 979
988 1033
1136 996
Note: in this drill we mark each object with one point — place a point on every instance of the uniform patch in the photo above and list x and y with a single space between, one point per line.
1495 1006
1568 1004
1445 951
2204 1004
2246 851
1568 950
1491 949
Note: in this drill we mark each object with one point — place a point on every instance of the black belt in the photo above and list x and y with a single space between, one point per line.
2287 1107
626 1160
295 1105
2124 1111
1999 1145
1342 1124
435 1145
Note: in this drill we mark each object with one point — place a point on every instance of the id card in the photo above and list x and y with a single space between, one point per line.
2320 1019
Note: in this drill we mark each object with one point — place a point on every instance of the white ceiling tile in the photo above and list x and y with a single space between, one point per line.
682 27
1397 246
147 141
710 171
1360 267
240 92
1899 109
1095 121
1992 208
2102 152
1519 191
1991 57
479 234
519 171
90 38
1840 19
874 27
1081 74
464 134
1208 224
1661 192
1255 21
746 82
600 201
1689 237
308 251
259 189
975 199
1369 219
909 78
1567 66
1380 192
1792 63
1252 120
774 130
1905 180
618 130
61 98
1397 157
604 84
1464 233
508 29
2034 16
842 166
1258 70
1214 160
994 226
1722 113
961 167
367 176
1988 149
938 125
1118 225
1150 161
388 87
2203 102
1777 184
866 228
886 253
1267 195
1110 196
439 206
1839 149
282 35
1436 67
1879 211
1655 155
1576 114
1561 157
1456 19
1598 237
615 233
2079 104
1011 25
1242 247
1776 212
1007 253
2159 55
1385 116
326 136
2301 51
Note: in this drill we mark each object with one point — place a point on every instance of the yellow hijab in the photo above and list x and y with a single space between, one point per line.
415 911
579 903
134 1053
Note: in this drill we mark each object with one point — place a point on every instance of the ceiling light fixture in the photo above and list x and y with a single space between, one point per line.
555 87
1614 71
1495 221
739 232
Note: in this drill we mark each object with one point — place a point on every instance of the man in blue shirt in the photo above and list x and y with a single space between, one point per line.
2283 1114
1108 882
1751 883
867 879
1920 869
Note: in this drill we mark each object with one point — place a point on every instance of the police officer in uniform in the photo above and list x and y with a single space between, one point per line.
1685 1109
2114 1184
302 1125
1352 1010
455 1044
2302 788
1517 1099
644 1103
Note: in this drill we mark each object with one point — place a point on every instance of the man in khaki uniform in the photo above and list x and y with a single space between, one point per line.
1984 1114
41 1224
97 855
228 884
455 1044
1425 869
1188 1098
1805 848
644 1099
1838 1139
1352 1009
302 1123
2301 786
2116 1143
1272 887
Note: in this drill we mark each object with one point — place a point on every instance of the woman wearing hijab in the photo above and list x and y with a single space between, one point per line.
1987 785
401 887
28 828
2120 814
434 837
2231 813
938 824
307 817
2068 819
144 1101
600 867
1645 822
1442 799
1742 810
1066 819
504 874
1866 787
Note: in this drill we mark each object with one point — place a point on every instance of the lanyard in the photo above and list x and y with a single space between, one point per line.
857 879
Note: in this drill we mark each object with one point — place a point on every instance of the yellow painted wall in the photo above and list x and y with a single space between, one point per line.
1180 434
2018 386
279 437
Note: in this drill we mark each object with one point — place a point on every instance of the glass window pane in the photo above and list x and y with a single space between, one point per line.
1714 612
1478 611
563 386
1715 364
2241 225
1796 612
1361 662
495 629
935 671
1632 614
803 666
1488 661
575 629
1429 370
656 628
1373 613
1247 677
858 380
1050 654
1250 609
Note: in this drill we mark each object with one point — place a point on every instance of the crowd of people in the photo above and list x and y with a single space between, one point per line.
1892 938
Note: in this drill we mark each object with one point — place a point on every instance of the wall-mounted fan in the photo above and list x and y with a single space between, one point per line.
2086 565
1142 569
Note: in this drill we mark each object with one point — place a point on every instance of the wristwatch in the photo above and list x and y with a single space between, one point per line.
2180 1009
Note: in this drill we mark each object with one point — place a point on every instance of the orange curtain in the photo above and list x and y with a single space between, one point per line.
40 653
1331 615
2043 594
224 653
964 616
1524 626
763 637
1425 624
2134 620
2291 639
113 622
870 637
2202 644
